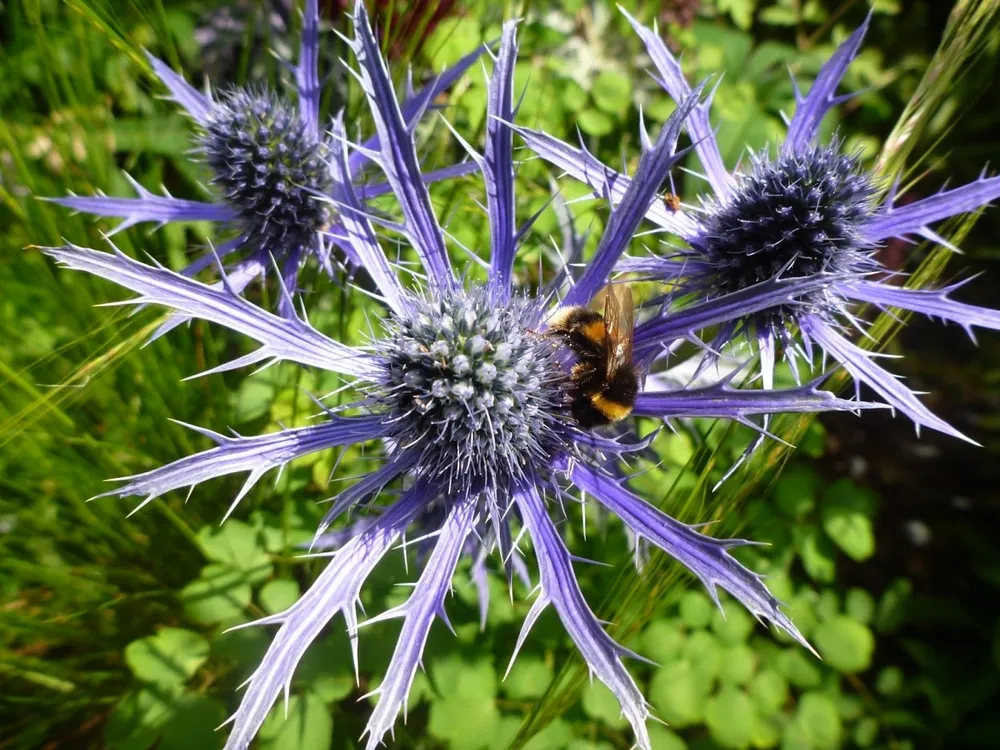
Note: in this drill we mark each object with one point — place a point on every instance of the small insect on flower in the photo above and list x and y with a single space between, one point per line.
672 201
604 380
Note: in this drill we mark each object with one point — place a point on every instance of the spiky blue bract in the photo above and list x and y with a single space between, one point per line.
425 603
783 249
467 397
269 157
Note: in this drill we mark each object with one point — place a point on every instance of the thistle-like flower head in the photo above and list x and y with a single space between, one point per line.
268 155
468 396
798 214
270 167
784 250
474 389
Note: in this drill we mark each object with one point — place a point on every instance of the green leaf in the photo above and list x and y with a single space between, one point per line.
889 7
661 738
733 45
738 664
704 651
827 605
244 646
572 94
594 122
813 443
162 136
845 644
733 624
236 545
599 703
333 686
765 732
794 737
505 732
555 736
217 595
612 92
859 605
893 605
135 722
818 555
662 640
850 529
309 725
529 678
278 595
660 108
849 706
844 493
473 103
464 724
769 690
452 39
581 744
817 716
192 724
799 667
252 399
678 694
465 714
453 675
327 671
795 490
889 681
168 658
730 717
696 609
779 15
866 732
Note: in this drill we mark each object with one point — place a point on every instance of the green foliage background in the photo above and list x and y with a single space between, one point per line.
111 628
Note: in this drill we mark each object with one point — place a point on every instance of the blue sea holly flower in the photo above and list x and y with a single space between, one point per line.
784 250
268 156
469 397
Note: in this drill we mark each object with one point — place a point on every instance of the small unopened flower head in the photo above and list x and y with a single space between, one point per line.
269 166
476 393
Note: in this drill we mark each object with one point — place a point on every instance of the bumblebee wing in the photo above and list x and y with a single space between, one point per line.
619 323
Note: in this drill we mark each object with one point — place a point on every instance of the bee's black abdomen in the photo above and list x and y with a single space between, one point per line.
625 387
586 414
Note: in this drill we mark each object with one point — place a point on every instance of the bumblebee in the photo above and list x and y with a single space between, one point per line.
672 202
604 382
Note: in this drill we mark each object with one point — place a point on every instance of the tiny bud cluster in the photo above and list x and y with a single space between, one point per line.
477 394
797 215
269 167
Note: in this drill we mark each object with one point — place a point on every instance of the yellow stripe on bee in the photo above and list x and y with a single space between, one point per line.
610 409
594 331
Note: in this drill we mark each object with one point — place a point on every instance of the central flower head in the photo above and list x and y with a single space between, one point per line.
477 393
270 168
797 215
